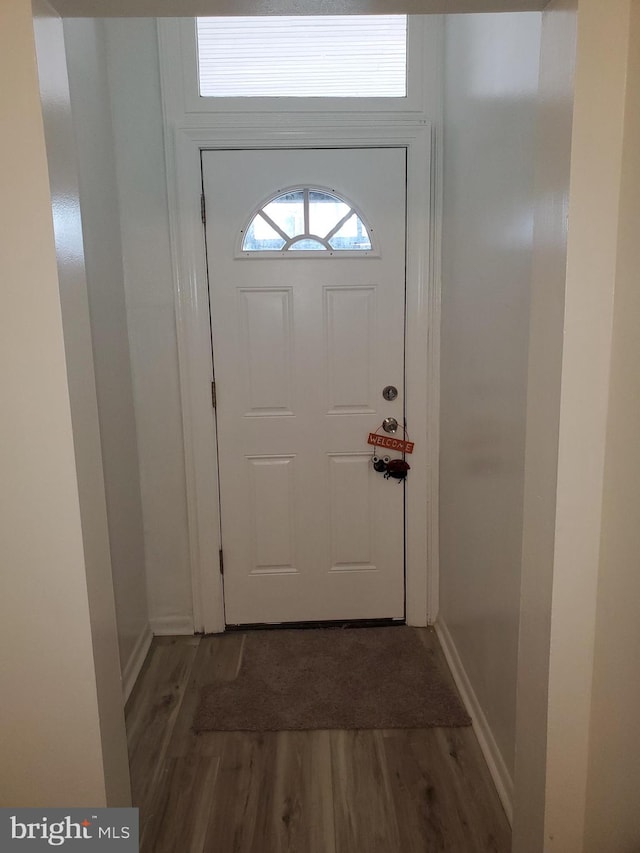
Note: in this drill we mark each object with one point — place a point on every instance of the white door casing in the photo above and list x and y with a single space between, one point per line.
185 142
302 349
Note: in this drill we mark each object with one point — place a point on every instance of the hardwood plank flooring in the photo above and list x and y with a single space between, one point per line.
396 791
153 710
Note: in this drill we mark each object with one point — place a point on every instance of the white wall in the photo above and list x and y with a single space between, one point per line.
491 81
91 112
115 89
62 735
132 57
613 816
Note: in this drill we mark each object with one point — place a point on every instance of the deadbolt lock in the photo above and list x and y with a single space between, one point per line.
390 392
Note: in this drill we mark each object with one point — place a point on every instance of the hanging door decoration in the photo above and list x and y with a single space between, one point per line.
392 468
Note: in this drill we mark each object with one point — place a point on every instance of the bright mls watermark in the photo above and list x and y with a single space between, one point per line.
69 829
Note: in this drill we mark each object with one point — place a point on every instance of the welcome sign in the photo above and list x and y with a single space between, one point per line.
390 443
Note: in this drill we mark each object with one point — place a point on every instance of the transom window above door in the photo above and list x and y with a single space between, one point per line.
303 56
306 219
348 66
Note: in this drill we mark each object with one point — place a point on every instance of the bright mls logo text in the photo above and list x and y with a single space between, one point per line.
57 832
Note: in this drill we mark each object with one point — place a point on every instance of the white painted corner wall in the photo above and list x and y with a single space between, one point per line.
594 572
613 780
490 94
546 338
577 765
63 738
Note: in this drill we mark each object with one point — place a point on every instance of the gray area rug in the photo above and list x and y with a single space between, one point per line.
331 678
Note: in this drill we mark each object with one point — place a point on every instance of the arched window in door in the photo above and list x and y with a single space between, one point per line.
306 219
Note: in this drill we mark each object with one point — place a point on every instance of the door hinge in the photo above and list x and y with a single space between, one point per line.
214 395
203 209
221 561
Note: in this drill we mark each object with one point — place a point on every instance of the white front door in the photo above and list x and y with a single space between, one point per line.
307 313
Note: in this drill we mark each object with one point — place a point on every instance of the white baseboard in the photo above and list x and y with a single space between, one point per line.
133 666
495 762
168 626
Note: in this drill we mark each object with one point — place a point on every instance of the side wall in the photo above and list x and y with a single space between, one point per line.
91 112
134 82
491 82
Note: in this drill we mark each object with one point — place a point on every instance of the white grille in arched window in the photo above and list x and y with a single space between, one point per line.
306 219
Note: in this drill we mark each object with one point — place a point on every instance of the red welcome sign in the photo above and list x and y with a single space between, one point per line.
390 443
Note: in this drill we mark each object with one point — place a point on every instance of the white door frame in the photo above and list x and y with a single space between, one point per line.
184 145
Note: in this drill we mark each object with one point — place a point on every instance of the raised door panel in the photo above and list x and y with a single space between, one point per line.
352 530
272 516
350 324
266 317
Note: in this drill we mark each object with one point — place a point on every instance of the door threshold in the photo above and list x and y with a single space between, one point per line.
329 623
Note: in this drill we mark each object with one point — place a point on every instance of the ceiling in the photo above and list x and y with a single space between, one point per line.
183 8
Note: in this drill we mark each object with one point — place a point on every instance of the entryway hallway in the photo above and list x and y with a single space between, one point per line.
389 791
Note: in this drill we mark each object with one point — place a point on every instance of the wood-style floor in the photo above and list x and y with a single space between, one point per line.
396 791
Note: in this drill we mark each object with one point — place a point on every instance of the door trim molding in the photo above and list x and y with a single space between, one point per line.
184 181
